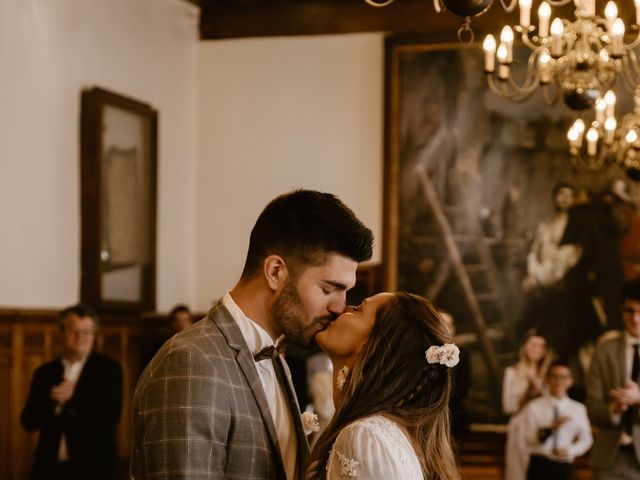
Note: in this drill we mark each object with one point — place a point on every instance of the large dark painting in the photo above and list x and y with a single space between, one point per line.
474 184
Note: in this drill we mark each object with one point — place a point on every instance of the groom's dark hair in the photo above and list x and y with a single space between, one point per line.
303 227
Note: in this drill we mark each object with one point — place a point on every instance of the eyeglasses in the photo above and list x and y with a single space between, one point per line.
631 311
560 376
81 331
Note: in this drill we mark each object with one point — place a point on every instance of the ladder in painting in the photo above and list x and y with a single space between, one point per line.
464 271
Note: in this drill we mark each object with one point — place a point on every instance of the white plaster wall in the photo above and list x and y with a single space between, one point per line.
277 114
49 51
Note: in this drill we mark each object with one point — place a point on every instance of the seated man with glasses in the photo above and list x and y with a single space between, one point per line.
75 402
556 428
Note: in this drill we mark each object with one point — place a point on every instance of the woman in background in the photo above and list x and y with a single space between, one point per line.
523 382
391 360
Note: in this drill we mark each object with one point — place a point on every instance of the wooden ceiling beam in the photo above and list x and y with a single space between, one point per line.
253 18
314 17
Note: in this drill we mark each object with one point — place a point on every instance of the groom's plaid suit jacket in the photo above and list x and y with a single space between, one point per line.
200 412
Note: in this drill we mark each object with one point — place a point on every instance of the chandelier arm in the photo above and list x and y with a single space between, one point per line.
630 60
381 4
634 44
629 69
559 3
549 98
502 92
508 7
630 73
590 165
515 95
528 41
532 79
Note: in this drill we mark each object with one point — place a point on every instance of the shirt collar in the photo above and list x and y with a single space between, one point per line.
68 363
556 401
630 340
256 337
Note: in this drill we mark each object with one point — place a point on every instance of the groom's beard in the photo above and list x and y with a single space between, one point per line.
291 318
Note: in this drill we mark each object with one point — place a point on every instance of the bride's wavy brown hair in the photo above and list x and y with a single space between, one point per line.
391 377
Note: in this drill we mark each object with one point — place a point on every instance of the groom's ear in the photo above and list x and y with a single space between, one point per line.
275 271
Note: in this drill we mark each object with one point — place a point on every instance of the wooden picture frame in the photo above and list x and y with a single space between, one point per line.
469 177
118 201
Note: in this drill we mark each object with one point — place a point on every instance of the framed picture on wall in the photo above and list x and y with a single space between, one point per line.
471 181
118 173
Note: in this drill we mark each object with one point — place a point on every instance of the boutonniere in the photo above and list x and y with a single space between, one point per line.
310 423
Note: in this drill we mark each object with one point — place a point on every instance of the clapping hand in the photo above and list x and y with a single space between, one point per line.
624 397
561 452
561 420
62 392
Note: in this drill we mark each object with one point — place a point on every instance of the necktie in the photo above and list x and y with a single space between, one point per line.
303 445
554 435
631 413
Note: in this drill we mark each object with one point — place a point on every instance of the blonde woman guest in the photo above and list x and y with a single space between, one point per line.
391 359
523 382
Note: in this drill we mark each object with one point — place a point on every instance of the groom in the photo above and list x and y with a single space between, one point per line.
214 402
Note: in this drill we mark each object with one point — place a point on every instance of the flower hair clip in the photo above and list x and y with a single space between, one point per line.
448 354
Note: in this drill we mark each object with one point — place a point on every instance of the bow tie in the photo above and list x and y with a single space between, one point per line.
272 351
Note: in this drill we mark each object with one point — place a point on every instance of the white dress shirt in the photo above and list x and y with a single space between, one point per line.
257 338
72 371
574 435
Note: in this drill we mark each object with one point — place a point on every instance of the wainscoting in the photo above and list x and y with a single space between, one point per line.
29 338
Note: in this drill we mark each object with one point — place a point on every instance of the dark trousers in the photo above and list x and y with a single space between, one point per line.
64 471
541 468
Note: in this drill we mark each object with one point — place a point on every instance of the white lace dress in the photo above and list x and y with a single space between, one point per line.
373 448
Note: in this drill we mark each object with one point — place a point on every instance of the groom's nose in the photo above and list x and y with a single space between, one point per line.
338 306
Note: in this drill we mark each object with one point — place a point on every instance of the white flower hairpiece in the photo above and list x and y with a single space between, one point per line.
448 354
310 423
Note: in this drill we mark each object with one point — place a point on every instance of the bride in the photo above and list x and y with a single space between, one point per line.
391 360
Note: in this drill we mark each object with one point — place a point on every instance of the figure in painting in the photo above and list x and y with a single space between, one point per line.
594 283
547 264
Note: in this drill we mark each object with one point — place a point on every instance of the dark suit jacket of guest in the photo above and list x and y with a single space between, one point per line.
88 419
199 410
608 370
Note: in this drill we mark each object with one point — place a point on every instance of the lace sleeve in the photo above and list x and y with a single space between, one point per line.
373 449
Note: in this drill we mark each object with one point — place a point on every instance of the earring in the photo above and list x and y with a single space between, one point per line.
341 379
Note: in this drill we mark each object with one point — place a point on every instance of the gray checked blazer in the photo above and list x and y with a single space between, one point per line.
608 370
200 412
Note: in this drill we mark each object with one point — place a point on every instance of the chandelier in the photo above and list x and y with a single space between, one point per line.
467 9
605 142
577 60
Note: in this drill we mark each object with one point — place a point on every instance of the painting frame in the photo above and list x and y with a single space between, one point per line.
118 168
537 143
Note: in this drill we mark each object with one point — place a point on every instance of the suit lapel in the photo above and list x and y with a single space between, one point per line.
622 360
223 319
